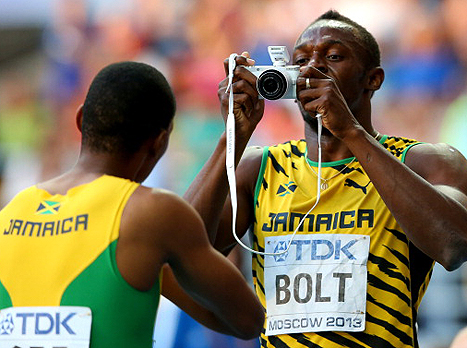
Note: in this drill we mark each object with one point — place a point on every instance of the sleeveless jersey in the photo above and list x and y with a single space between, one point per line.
397 272
59 250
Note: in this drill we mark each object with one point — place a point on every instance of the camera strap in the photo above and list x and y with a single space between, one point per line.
230 164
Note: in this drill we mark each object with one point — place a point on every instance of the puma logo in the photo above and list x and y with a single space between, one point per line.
351 183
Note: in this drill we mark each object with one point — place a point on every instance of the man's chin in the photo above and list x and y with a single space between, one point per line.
313 122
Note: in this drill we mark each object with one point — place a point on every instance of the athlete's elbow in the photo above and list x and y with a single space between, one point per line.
451 265
454 256
251 324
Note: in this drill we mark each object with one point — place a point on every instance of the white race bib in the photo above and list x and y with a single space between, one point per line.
45 327
318 285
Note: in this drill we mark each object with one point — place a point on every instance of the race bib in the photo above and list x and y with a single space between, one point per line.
318 285
45 327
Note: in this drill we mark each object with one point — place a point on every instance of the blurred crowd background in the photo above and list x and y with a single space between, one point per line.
51 49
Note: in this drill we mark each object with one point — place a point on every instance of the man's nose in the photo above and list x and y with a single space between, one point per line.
319 63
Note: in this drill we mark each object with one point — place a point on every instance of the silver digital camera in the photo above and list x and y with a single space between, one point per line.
279 80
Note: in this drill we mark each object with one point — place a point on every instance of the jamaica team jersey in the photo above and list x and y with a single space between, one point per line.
59 250
349 277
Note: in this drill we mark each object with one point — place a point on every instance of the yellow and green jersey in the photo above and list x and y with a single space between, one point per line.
59 250
350 276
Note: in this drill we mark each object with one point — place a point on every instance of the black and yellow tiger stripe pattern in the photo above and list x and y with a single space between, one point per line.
398 273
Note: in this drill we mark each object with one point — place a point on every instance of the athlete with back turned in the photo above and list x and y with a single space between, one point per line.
81 255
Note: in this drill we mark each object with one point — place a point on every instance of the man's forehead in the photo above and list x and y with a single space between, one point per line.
332 23
328 29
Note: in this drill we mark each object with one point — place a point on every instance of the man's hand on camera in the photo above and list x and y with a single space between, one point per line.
248 108
318 93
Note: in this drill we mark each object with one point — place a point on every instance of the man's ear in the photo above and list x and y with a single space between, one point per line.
375 79
79 117
162 141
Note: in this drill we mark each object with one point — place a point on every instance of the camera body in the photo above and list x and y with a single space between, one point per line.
279 80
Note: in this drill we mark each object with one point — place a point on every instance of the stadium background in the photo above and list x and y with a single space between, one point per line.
51 49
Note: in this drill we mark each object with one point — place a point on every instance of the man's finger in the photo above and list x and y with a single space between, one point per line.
243 59
310 71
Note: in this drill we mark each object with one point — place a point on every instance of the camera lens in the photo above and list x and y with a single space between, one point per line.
272 84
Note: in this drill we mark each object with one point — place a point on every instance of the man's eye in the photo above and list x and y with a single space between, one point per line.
334 57
301 61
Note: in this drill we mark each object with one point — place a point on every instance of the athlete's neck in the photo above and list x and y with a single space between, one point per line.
91 166
62 184
332 149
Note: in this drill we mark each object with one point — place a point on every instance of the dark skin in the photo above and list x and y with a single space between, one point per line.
427 195
154 237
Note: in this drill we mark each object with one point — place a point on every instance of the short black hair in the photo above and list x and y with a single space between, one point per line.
367 40
126 104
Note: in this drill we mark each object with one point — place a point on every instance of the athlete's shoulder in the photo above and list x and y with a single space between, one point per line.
284 152
26 192
160 204
249 165
252 154
22 197
438 163
398 146
292 147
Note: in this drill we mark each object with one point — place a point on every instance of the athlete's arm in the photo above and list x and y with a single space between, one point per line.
174 292
210 278
167 230
445 169
209 191
427 195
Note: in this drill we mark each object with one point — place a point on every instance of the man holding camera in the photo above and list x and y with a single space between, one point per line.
343 255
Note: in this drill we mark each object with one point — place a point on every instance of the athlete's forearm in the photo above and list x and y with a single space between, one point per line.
433 220
174 292
208 191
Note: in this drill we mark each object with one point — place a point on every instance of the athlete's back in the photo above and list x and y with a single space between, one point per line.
63 246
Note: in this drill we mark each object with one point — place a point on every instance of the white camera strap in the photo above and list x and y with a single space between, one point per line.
230 164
